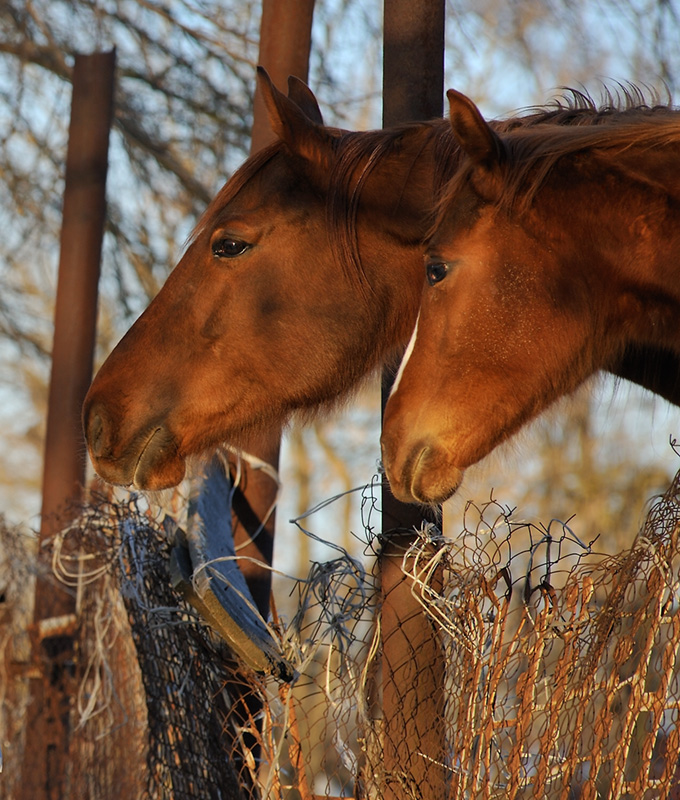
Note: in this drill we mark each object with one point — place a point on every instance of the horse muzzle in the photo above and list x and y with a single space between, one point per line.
421 473
149 461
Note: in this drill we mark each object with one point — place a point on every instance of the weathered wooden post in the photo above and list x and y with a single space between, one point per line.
414 747
46 762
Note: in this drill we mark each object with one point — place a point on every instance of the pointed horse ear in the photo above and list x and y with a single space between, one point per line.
472 132
302 95
293 123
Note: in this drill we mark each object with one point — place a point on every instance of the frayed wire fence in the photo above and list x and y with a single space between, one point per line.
539 668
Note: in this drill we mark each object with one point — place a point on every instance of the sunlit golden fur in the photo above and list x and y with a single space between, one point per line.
326 292
556 252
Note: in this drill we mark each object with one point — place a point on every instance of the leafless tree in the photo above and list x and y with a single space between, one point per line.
182 124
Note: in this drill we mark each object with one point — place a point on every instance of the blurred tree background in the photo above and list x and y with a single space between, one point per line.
183 113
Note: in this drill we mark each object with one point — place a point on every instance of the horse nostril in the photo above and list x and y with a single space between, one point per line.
95 434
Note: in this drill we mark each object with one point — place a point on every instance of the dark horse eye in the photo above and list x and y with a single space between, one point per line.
436 271
229 248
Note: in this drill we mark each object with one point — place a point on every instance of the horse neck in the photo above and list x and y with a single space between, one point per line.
652 257
628 210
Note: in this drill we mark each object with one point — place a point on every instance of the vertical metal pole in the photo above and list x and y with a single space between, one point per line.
46 764
414 746
413 90
413 60
285 43
75 314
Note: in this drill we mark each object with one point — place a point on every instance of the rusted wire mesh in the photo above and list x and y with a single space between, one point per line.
512 661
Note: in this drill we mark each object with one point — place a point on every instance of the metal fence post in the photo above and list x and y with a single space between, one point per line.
414 748
46 765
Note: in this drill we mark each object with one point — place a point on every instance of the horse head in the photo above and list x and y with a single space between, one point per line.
264 315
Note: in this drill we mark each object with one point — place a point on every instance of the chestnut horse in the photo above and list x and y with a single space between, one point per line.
303 276
554 249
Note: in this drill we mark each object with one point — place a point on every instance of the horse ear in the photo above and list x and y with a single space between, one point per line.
472 132
302 95
291 123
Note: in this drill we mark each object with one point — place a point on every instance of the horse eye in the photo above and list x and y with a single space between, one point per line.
436 271
229 248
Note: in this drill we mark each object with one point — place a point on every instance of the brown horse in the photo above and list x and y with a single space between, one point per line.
303 276
554 249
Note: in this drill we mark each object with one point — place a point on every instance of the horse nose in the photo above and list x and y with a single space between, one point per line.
421 471
401 459
94 433
95 427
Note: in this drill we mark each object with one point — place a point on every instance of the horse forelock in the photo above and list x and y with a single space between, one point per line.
534 141
357 157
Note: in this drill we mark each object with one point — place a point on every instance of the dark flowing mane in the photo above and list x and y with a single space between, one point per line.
358 155
576 123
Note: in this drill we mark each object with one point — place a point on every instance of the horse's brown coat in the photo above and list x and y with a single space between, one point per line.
556 248
326 290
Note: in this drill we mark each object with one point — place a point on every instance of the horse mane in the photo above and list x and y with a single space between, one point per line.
357 156
576 123
359 153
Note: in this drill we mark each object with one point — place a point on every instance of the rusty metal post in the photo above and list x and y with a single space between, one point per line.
413 697
285 43
414 747
46 765
75 314
413 90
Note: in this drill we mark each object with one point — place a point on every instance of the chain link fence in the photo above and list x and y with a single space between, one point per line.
512 661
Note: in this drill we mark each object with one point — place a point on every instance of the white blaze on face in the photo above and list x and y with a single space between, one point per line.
404 360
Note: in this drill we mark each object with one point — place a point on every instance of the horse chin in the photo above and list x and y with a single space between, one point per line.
160 465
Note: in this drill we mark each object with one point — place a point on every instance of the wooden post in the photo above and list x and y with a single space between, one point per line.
414 747
285 42
46 765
